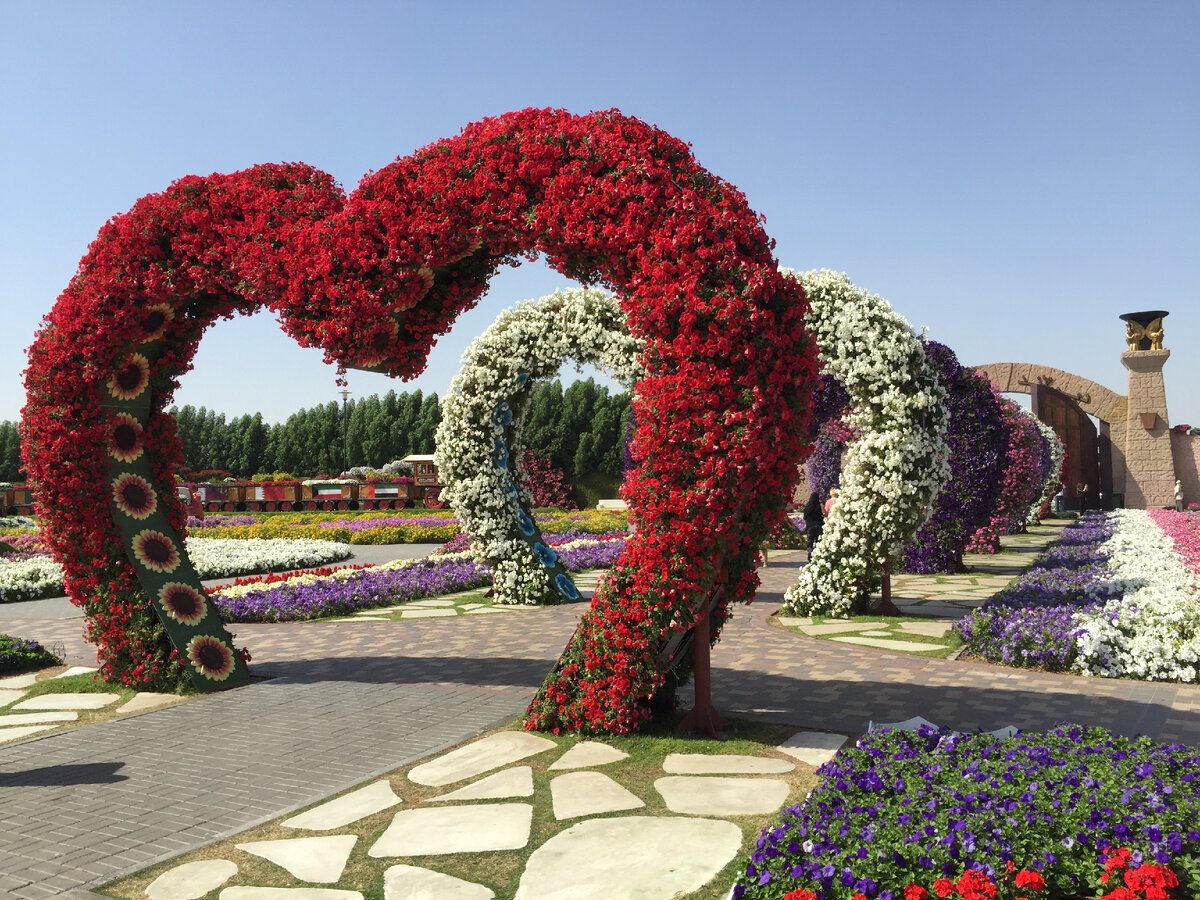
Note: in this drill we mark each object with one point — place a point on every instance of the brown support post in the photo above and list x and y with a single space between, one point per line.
886 606
703 718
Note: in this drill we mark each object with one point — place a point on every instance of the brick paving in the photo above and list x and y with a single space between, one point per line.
348 701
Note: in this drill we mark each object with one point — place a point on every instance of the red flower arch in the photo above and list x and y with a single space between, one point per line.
373 278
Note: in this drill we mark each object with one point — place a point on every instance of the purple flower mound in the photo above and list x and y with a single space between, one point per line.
592 556
366 589
977 440
1032 623
911 807
824 467
194 523
391 522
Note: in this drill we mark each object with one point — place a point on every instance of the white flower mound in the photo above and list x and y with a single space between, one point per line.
1053 480
223 557
29 579
212 557
479 439
1149 628
891 475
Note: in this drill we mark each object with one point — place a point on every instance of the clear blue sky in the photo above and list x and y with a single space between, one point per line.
1013 175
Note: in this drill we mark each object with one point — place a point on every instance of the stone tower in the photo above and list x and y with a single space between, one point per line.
1150 472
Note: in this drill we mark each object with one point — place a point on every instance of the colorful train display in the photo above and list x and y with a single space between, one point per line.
423 489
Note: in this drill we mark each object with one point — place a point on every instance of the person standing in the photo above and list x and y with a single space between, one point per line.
831 502
814 522
1178 495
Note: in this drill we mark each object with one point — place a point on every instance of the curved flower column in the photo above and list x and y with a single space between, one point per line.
1050 467
892 472
976 439
479 439
1020 484
372 279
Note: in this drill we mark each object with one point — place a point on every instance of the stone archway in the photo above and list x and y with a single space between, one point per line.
1054 389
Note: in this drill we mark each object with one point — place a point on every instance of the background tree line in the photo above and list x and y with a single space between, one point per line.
580 429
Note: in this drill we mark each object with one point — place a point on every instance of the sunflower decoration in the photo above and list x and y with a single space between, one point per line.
471 248
155 551
183 603
210 657
155 320
126 438
129 382
381 342
134 495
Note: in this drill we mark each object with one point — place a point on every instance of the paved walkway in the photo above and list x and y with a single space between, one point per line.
350 700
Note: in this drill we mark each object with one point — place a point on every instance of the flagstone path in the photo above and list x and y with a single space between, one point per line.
345 702
661 855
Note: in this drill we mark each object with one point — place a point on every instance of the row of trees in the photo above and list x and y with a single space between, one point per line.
580 429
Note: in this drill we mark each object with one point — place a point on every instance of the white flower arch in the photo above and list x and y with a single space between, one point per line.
892 473
479 439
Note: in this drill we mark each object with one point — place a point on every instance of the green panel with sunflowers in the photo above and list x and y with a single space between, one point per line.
155 548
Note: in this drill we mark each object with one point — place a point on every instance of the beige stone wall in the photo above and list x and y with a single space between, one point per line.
1185 450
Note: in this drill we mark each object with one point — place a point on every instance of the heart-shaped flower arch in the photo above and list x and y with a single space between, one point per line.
373 278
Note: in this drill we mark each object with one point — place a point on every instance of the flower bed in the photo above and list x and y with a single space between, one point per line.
41 576
1032 623
904 815
1149 625
1111 597
18 655
312 595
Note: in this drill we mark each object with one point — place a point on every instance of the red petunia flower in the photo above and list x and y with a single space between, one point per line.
130 380
155 551
126 439
211 657
183 603
134 495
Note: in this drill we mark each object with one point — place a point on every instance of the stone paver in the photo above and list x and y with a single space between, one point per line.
715 796
438 831
148 700
428 613
837 627
478 757
38 718
318 859
13 682
77 670
588 753
724 764
68 701
629 858
10 696
351 807
514 782
22 731
889 644
577 794
415 883
932 629
192 880
431 603
813 747
305 893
